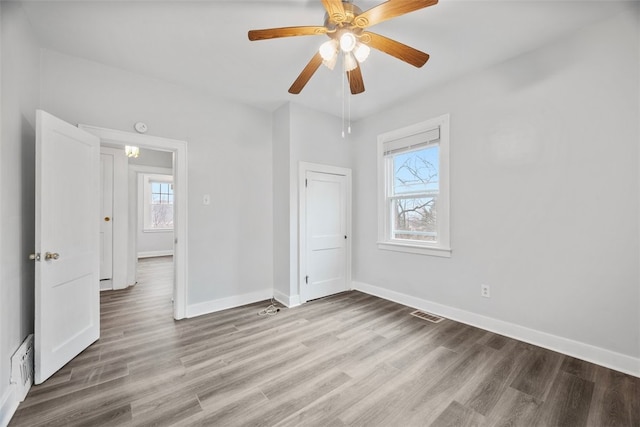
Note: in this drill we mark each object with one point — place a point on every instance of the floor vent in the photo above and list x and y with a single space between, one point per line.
427 316
22 367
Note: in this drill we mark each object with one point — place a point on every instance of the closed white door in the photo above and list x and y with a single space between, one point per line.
106 218
326 235
67 268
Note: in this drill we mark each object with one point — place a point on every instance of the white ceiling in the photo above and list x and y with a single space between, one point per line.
203 45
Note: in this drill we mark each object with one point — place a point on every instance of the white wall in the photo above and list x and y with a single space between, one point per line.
229 149
300 135
544 194
20 98
282 205
157 158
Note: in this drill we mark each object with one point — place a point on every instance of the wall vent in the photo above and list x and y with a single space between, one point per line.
22 368
427 316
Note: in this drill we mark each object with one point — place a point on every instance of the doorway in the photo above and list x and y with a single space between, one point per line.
325 229
125 269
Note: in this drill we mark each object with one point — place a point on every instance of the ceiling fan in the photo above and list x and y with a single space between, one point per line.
346 24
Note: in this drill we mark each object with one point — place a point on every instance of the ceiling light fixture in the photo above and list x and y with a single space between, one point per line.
349 46
361 52
347 41
131 151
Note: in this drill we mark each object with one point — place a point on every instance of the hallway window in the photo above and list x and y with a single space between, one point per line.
158 202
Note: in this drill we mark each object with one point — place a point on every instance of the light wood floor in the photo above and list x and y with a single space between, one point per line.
350 359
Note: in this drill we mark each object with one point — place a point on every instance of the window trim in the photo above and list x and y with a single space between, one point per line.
442 247
147 178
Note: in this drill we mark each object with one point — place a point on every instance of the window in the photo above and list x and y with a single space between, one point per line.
414 188
158 202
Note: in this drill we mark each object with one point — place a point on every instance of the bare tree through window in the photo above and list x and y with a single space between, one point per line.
161 204
415 195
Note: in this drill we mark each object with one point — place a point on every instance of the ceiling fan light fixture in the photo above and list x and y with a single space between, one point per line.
131 151
361 52
347 42
329 50
350 62
331 64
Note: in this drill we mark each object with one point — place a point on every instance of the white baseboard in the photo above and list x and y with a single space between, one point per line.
600 356
8 405
151 254
287 301
212 306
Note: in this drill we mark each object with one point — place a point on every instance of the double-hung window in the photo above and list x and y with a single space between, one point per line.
414 188
158 202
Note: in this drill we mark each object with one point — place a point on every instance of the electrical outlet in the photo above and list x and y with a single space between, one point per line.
485 291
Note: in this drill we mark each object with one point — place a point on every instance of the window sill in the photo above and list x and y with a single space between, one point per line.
415 249
157 230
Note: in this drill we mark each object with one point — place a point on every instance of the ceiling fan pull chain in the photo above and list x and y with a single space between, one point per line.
349 108
344 69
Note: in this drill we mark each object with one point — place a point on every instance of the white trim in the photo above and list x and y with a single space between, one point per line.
414 249
607 358
8 405
441 248
212 306
151 254
179 150
303 168
287 301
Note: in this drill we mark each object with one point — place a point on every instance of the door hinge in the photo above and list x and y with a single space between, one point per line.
306 183
345 237
306 280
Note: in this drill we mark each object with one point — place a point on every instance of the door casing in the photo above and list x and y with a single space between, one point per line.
179 150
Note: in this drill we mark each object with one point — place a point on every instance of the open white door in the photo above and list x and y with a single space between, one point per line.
67 268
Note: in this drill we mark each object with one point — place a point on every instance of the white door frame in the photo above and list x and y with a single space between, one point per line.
303 168
179 150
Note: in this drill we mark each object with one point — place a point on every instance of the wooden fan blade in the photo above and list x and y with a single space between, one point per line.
335 10
401 51
390 9
355 80
273 33
306 74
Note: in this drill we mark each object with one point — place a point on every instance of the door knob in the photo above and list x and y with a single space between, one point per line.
49 255
107 219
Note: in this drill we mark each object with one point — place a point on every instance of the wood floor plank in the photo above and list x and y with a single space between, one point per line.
345 360
569 401
515 408
322 411
538 372
485 395
458 415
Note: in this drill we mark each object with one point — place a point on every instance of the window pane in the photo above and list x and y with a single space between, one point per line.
161 216
155 187
416 171
414 219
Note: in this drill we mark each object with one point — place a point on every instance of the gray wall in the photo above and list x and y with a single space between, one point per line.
299 135
229 157
544 192
20 99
